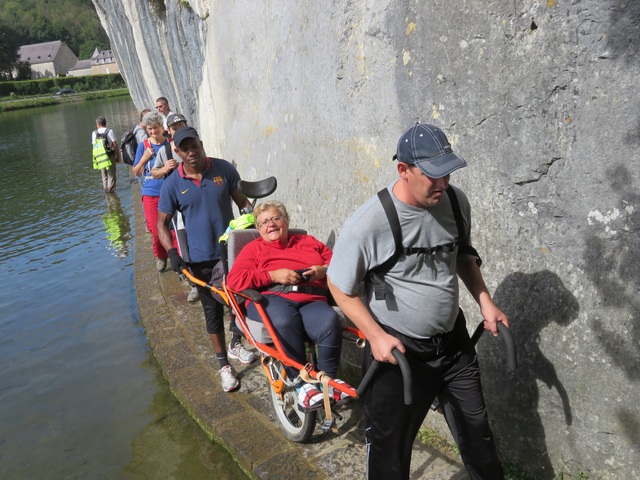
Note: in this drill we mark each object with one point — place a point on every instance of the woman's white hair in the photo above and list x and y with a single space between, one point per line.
151 118
269 205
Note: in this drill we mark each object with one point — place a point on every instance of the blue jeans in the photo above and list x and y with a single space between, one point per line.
296 322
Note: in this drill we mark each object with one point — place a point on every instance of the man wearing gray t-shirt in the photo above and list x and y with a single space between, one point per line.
166 161
411 304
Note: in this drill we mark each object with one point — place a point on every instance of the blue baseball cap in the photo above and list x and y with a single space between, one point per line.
184 133
427 147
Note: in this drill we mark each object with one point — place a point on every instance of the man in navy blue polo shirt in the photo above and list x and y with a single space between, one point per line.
202 190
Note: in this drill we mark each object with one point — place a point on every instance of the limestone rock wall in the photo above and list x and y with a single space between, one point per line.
541 98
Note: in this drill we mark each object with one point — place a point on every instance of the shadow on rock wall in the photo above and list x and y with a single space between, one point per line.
532 302
624 36
613 266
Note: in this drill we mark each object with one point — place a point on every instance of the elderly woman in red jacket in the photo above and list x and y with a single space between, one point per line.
290 271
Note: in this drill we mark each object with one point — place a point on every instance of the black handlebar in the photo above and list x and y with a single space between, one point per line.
259 189
406 376
507 338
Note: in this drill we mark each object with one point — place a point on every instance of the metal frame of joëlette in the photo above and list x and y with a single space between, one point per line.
229 297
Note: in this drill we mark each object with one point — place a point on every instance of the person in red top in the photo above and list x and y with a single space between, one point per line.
290 270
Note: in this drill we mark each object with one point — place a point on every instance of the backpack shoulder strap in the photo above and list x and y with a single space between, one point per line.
464 248
378 273
457 215
394 222
149 165
169 151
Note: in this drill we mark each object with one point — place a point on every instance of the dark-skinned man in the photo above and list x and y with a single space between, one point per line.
202 189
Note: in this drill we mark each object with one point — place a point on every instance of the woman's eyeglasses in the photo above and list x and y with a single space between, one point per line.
267 221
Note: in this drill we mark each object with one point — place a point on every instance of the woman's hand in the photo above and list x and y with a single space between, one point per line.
291 277
284 276
317 272
148 153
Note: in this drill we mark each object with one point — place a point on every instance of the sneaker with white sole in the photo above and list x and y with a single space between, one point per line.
309 397
229 380
193 296
161 264
238 352
336 395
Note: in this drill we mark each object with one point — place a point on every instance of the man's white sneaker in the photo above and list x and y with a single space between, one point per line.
161 264
229 380
193 296
238 352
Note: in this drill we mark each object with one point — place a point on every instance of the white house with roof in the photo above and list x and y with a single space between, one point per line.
48 59
80 69
101 62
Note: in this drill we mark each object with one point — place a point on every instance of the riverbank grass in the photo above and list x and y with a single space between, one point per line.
14 103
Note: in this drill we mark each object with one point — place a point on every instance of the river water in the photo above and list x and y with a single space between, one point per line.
81 396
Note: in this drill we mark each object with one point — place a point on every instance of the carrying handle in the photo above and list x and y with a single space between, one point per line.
406 376
507 338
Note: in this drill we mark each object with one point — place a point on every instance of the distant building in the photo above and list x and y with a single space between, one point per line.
81 68
49 59
101 62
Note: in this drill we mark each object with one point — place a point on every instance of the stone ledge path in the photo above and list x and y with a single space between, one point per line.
243 421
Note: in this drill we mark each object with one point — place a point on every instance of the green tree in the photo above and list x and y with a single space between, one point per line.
9 44
23 70
75 22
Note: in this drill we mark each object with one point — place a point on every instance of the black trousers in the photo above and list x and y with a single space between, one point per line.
213 308
445 366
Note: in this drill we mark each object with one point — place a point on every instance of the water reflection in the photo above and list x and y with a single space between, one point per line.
173 446
74 401
116 224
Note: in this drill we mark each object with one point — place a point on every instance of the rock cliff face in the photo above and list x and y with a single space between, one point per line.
541 98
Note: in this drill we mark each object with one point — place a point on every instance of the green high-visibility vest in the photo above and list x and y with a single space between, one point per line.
243 221
100 157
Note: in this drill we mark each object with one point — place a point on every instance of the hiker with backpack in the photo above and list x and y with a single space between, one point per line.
131 139
105 153
407 246
142 166
166 162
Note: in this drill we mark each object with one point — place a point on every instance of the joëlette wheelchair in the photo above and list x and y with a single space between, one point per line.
297 423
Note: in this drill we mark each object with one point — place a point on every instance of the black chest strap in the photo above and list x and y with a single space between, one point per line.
377 274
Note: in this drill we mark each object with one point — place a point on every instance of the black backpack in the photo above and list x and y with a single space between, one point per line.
108 146
128 147
376 275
